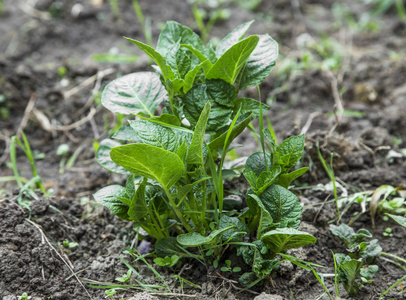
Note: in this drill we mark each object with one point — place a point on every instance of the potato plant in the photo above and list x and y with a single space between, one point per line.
175 189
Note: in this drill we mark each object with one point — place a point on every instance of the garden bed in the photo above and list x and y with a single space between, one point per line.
48 72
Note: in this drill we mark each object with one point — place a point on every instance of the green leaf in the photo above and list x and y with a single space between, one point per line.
182 151
231 235
190 78
348 272
283 239
170 246
368 272
149 161
247 279
134 93
195 152
155 135
115 198
290 151
256 162
185 189
249 105
266 178
258 209
268 135
174 33
260 63
283 206
166 119
263 267
204 61
166 71
126 133
251 178
221 96
138 211
399 219
194 239
103 157
218 142
179 60
232 38
348 235
370 250
229 65
286 179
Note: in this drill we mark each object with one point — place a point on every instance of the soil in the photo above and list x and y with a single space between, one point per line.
47 74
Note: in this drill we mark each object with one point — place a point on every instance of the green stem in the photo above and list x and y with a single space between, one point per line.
178 213
204 204
193 204
394 256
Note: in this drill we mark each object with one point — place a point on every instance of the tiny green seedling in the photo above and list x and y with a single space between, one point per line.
24 296
70 245
110 293
228 268
167 261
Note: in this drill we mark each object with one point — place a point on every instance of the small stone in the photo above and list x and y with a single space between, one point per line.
265 296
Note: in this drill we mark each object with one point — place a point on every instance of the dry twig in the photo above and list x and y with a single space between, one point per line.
44 238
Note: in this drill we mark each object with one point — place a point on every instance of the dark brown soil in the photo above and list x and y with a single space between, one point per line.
34 47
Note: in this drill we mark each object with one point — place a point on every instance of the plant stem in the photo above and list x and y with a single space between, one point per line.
178 213
394 256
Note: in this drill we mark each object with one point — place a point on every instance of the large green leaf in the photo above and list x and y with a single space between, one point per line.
104 159
218 143
195 152
290 151
260 63
221 96
257 164
195 239
149 161
173 33
283 239
155 134
232 38
283 206
134 93
229 65
115 198
167 72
